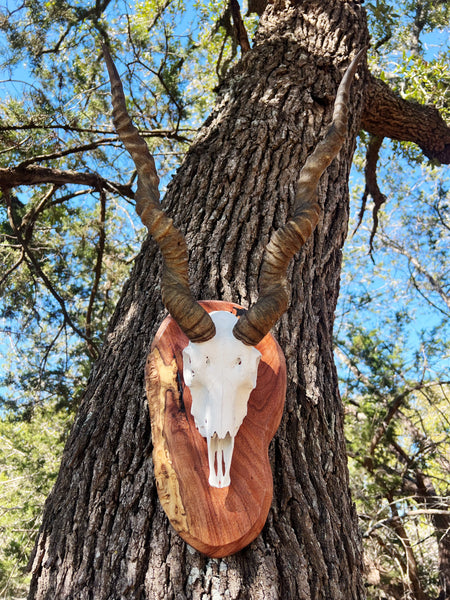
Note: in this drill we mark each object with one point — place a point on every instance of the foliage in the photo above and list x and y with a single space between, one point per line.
68 238
29 460
394 351
407 51
70 241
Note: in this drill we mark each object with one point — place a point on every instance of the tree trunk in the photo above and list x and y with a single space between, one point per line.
104 533
426 493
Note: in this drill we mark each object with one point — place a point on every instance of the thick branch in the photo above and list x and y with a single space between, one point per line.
256 6
385 114
32 175
241 32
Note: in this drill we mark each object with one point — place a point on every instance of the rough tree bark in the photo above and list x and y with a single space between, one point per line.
104 534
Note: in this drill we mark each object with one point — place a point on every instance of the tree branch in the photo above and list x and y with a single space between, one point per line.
438 510
32 175
29 219
173 134
98 265
372 188
386 114
13 268
241 32
412 570
393 407
256 6
82 148
434 284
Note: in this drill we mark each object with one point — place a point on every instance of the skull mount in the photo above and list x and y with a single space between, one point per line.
220 373
216 521
213 416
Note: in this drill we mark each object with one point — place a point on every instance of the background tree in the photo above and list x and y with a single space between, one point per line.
52 37
394 350
395 375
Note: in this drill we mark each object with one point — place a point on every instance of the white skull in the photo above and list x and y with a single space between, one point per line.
220 374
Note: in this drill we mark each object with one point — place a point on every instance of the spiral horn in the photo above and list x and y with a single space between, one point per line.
273 296
176 295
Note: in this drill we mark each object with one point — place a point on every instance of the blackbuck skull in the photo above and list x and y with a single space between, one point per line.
220 374
217 420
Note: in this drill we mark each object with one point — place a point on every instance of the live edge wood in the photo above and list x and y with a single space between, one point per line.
216 522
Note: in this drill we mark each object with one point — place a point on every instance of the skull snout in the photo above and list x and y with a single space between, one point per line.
220 453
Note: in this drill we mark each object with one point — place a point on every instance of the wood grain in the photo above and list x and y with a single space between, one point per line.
217 522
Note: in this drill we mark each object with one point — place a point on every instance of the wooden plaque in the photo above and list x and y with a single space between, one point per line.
217 522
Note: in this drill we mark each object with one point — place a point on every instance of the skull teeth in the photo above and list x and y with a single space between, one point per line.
220 452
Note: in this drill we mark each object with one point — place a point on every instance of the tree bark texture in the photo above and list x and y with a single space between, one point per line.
386 114
104 534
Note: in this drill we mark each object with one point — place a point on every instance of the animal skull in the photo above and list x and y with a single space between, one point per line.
220 374
218 368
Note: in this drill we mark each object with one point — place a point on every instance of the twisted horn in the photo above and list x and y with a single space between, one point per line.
176 296
287 241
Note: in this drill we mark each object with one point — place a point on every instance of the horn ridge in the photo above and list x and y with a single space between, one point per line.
286 242
192 318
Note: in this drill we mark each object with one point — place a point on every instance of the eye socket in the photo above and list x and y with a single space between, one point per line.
238 361
207 360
